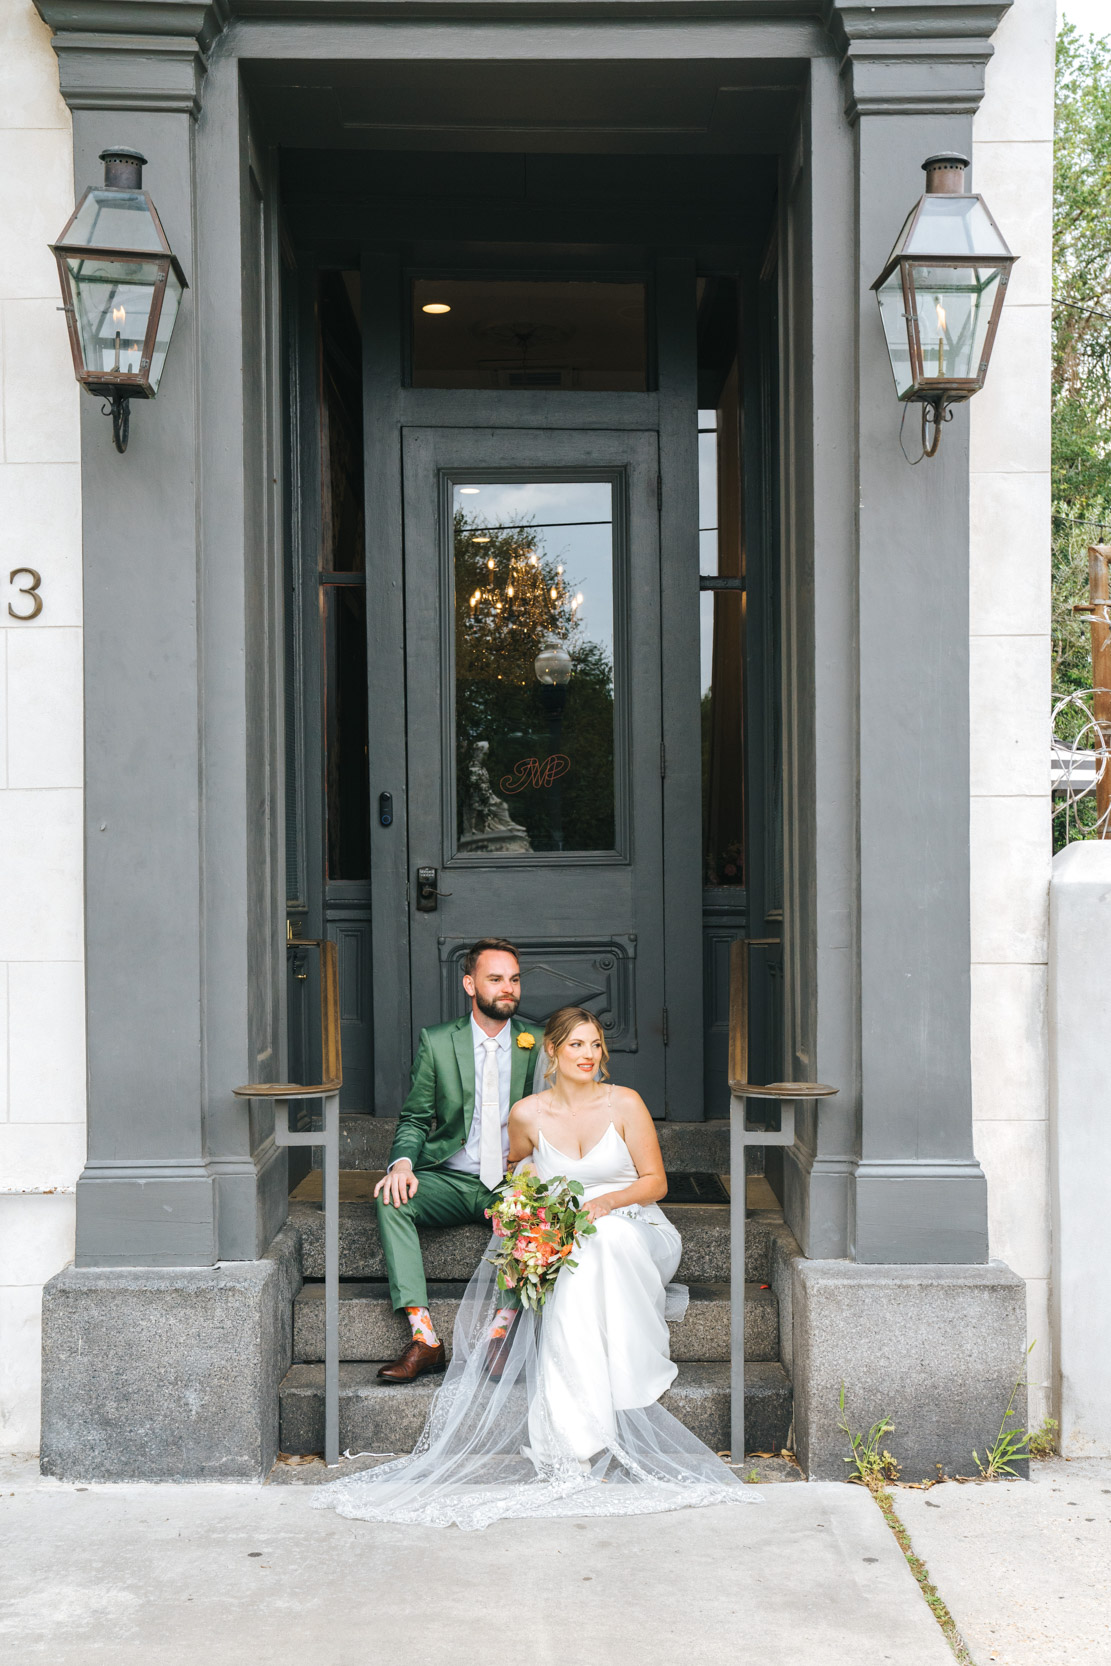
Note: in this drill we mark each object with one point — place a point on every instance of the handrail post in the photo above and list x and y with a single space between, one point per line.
741 1136
331 1278
327 1091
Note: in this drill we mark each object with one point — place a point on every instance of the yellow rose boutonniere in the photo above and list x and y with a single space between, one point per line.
526 1041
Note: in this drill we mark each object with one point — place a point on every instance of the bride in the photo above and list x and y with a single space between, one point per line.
557 1413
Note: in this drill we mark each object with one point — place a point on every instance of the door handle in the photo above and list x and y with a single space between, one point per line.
428 893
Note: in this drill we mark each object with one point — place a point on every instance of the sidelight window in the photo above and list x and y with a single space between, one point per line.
721 580
342 570
534 665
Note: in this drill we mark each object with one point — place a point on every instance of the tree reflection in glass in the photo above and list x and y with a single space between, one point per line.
534 733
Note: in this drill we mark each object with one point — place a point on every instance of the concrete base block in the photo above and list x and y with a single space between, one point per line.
167 1374
935 1348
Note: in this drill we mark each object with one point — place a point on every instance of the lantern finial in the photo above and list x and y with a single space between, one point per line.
123 168
945 174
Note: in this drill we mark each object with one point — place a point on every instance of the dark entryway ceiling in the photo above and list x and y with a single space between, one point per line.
682 107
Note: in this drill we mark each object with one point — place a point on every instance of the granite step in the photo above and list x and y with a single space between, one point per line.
388 1417
370 1329
687 1147
454 1252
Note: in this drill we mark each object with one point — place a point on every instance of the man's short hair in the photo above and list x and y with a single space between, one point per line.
483 946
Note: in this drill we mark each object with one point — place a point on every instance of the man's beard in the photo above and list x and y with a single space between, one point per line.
504 1007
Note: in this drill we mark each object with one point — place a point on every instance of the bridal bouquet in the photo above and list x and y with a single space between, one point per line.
537 1223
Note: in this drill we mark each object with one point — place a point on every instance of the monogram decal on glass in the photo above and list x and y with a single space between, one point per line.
535 772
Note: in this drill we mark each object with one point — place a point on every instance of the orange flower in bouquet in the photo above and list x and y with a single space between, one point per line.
537 1224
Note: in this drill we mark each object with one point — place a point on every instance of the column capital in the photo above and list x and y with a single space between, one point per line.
916 59
133 54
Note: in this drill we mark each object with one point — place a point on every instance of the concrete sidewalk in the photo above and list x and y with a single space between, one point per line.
1025 1567
252 1576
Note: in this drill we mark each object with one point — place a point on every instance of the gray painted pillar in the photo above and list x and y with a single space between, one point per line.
919 1193
170 705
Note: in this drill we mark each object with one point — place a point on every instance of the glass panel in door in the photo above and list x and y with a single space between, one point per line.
534 666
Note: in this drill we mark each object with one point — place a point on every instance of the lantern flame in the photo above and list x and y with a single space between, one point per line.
941 319
119 315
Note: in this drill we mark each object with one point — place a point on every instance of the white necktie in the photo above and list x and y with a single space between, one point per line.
491 1165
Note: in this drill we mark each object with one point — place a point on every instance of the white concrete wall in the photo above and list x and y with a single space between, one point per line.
1010 676
42 1042
1080 1142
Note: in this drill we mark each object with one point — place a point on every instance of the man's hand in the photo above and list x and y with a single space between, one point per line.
399 1184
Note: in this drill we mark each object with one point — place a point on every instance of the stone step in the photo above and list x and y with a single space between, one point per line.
454 1252
370 1329
687 1147
388 1417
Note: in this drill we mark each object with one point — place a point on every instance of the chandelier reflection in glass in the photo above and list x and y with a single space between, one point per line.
534 690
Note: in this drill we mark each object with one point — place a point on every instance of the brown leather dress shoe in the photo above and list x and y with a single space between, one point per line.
497 1356
414 1362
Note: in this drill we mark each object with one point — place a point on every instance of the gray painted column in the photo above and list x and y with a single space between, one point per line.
171 833
919 1194
820 729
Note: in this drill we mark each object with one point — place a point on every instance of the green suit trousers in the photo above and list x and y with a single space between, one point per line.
444 1197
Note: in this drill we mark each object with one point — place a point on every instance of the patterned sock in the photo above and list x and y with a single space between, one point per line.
420 1323
503 1319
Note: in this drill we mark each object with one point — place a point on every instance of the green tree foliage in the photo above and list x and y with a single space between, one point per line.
1081 456
1081 447
509 594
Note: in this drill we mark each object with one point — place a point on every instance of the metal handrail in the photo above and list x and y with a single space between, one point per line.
280 1093
741 1136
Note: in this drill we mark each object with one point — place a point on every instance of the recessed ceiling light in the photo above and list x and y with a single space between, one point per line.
435 306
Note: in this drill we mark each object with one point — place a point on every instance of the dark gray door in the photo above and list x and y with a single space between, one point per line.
533 690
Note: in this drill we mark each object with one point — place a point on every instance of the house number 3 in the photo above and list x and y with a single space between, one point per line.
31 591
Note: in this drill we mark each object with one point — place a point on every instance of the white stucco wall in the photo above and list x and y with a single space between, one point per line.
1010 676
42 1044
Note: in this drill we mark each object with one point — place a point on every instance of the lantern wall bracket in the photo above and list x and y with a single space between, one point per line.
119 407
934 413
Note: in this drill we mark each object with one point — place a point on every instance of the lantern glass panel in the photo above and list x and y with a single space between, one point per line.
113 299
115 220
954 307
953 226
892 316
165 328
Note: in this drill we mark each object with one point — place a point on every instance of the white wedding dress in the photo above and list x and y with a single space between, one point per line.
572 1426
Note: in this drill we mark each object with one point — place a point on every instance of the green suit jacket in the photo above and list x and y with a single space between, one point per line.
435 1119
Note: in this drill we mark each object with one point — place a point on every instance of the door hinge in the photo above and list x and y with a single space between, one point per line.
659 491
664 1017
663 758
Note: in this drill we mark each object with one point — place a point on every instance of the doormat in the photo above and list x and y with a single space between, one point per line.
696 1188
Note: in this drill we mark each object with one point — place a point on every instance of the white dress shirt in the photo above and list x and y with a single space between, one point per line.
467 1159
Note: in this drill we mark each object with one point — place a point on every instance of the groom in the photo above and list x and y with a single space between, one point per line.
452 1141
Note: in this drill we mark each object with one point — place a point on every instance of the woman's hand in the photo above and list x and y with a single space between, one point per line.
599 1207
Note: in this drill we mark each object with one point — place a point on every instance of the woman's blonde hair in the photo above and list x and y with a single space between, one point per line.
559 1027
